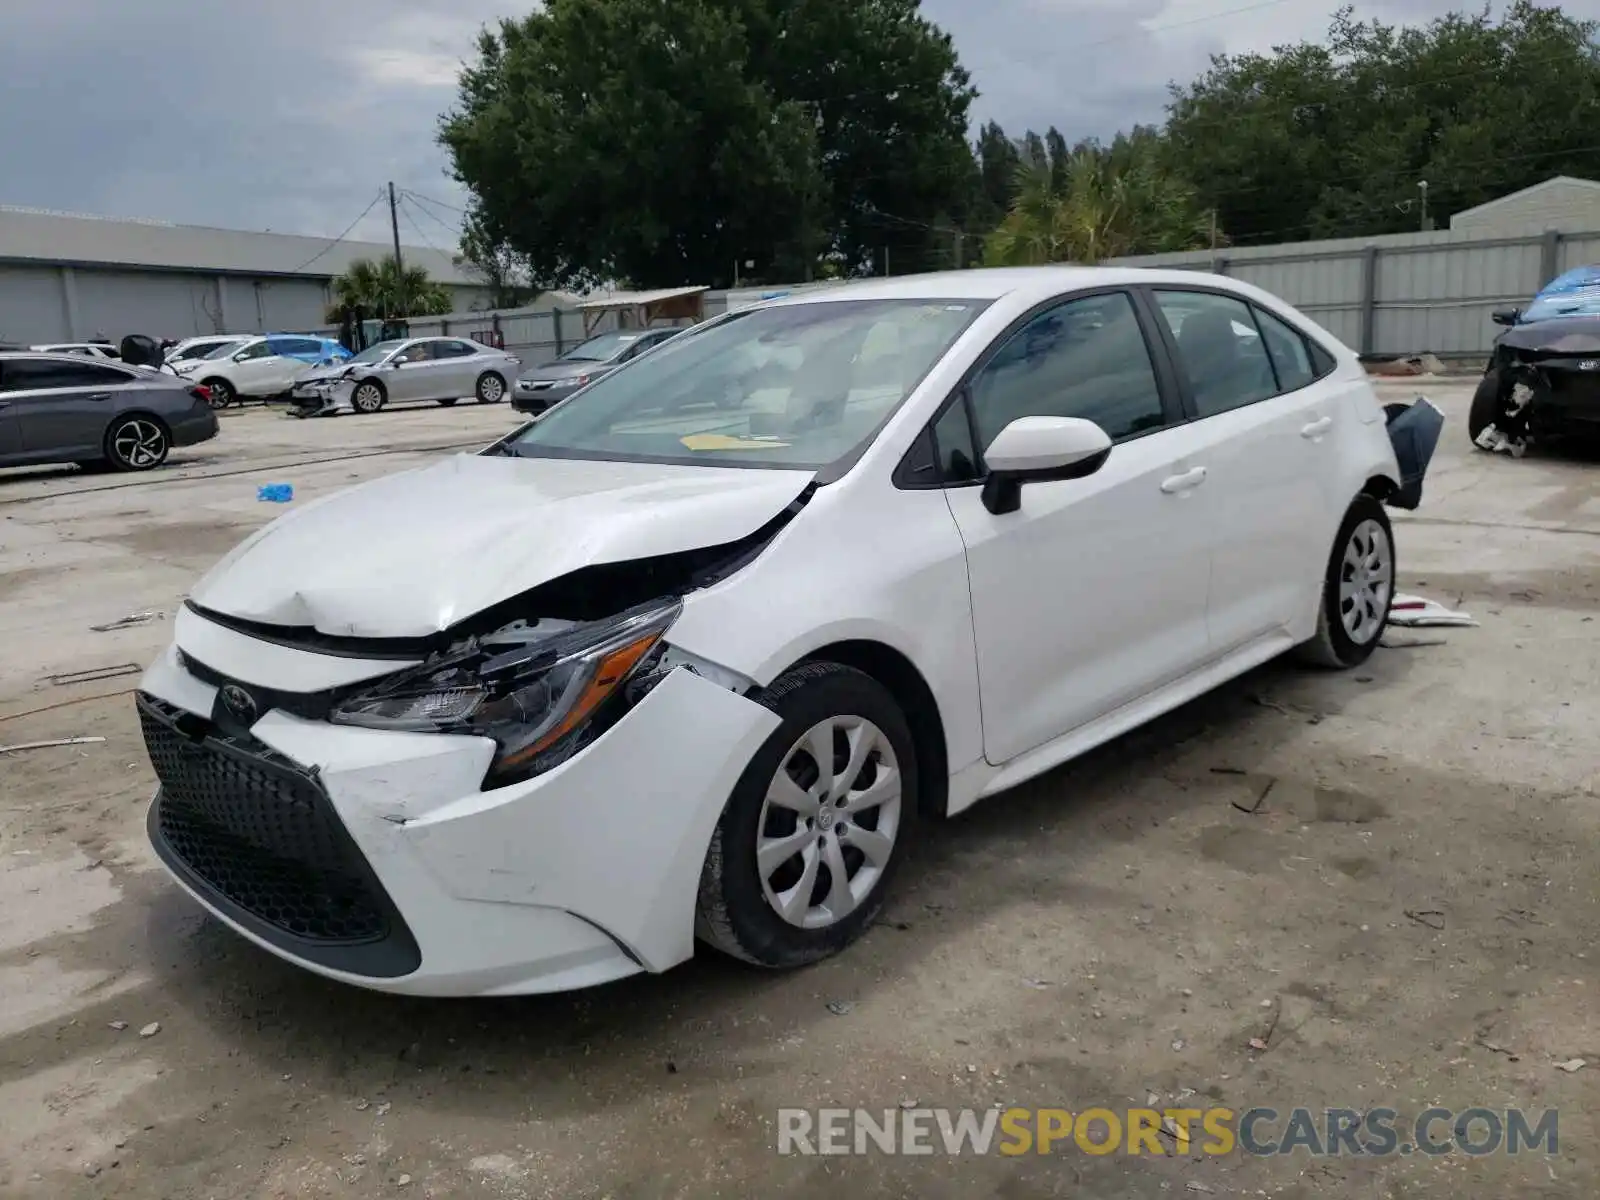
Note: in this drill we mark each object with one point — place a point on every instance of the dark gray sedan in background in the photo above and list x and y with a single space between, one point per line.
58 408
540 387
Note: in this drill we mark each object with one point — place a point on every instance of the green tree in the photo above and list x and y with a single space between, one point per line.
1110 201
664 141
503 269
997 161
1325 140
382 289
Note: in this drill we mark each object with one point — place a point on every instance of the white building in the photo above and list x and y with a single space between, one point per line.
1561 202
66 277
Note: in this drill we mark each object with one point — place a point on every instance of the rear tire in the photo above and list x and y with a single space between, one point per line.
858 820
1357 590
137 443
491 388
1487 406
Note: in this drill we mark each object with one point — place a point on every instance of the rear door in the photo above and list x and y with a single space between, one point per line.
1266 427
61 407
297 356
456 367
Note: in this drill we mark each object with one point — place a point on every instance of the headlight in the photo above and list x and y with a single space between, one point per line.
542 691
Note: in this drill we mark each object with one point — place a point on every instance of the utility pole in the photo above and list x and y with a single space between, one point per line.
1422 187
956 233
394 228
1213 228
886 262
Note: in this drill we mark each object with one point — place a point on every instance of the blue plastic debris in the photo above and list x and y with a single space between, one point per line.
275 493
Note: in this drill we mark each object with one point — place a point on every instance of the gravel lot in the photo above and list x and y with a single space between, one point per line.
1408 919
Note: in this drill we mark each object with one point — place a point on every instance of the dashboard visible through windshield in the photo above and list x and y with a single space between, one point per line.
796 386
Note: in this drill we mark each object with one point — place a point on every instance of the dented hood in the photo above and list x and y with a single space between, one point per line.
412 554
1555 335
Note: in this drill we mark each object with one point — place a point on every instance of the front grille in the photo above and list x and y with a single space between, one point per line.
260 833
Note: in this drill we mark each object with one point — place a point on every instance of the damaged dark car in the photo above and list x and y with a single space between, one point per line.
1543 377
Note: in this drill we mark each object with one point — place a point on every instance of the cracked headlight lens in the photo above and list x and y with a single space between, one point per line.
541 691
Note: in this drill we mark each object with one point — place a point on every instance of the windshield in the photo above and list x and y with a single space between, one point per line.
1575 294
376 352
602 348
800 386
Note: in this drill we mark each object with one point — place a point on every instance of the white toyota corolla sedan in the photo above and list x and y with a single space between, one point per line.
694 655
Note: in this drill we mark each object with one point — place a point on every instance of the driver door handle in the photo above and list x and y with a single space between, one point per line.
1188 481
1317 428
99 396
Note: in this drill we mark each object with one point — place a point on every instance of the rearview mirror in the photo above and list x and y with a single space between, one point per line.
1040 449
1505 316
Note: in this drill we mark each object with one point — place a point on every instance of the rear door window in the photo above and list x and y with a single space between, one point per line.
1220 350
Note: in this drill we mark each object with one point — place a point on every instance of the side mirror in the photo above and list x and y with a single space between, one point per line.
1037 450
1505 316
239 357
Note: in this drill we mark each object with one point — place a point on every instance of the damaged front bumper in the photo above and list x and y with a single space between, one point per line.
1550 395
377 858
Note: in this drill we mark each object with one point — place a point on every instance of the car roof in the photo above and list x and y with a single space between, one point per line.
995 283
75 359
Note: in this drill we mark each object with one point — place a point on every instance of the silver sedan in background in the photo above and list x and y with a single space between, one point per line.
441 369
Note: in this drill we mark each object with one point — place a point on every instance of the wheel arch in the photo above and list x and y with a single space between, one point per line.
900 676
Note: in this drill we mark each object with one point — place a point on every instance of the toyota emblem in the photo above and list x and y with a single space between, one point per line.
239 703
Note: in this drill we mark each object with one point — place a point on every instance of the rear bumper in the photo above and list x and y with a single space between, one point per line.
200 425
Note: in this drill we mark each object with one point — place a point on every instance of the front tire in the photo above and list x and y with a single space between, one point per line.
220 392
369 396
805 850
137 443
1487 405
1357 589
491 388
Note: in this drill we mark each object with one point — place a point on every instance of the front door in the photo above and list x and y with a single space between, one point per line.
1093 593
1267 428
257 370
415 374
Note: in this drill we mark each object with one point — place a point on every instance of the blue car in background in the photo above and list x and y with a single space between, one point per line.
262 368
1543 377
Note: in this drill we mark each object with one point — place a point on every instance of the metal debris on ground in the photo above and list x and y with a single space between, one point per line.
151 1029
94 675
71 741
1572 1064
1431 917
1415 611
138 618
840 1007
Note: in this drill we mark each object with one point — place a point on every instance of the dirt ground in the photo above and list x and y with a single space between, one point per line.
1406 920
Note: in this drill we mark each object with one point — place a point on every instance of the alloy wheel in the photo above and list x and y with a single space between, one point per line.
140 443
491 390
367 398
828 825
1366 582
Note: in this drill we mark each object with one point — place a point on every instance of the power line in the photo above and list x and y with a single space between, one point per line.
347 231
452 230
415 195
405 209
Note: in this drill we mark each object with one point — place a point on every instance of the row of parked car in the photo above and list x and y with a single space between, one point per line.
320 376
79 402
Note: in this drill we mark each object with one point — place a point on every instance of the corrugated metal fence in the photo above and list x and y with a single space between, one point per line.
1403 293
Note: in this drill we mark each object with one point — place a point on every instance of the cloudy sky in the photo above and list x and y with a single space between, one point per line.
291 116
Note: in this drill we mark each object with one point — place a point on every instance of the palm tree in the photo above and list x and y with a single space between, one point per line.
1100 208
383 289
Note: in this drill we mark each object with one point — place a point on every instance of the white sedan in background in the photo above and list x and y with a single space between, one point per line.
441 369
695 654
